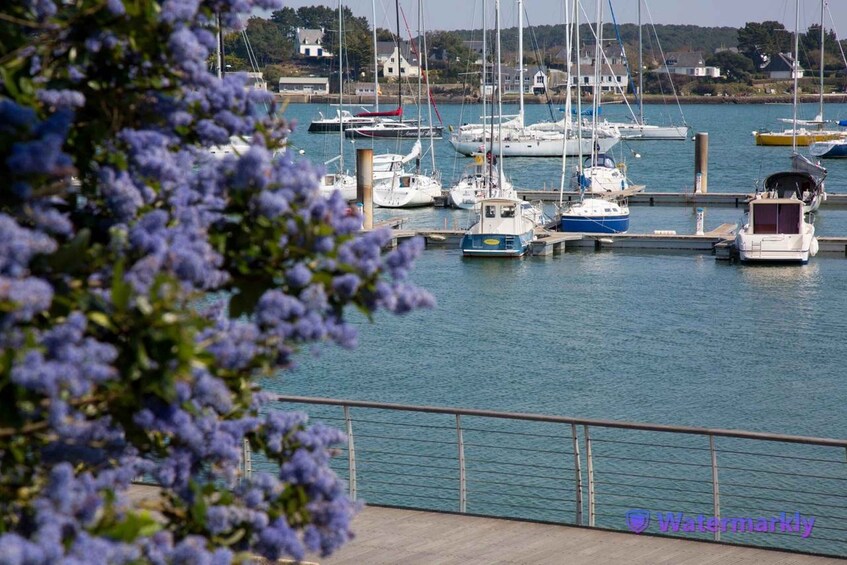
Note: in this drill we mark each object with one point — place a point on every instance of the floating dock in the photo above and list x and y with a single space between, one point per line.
694 199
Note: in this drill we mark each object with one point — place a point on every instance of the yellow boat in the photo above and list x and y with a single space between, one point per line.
786 138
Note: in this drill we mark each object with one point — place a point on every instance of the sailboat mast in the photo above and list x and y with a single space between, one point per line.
595 103
823 2
376 59
399 59
422 34
484 69
499 99
794 68
640 70
219 48
569 70
520 61
340 88
420 78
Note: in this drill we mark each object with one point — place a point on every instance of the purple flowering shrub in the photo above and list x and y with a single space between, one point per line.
145 284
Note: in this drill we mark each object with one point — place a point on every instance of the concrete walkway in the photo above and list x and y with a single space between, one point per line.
408 537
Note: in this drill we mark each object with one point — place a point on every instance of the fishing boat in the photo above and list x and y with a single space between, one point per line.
775 230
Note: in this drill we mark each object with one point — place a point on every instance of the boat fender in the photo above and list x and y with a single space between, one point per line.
622 167
813 248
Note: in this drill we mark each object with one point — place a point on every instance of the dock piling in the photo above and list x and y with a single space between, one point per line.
701 162
364 185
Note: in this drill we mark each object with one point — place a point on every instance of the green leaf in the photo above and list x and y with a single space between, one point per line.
101 320
133 526
70 257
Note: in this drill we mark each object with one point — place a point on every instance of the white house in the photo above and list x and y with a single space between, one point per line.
611 80
303 85
396 61
689 63
310 43
781 67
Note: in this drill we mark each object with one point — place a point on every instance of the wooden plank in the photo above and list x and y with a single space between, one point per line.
391 535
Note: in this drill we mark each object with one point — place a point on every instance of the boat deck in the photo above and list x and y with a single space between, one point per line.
410 537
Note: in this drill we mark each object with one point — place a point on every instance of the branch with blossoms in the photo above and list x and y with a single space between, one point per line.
140 300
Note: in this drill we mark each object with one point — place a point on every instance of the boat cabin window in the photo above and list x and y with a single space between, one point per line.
777 218
507 212
329 180
405 182
602 160
491 211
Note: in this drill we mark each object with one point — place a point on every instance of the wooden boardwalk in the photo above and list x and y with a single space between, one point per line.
409 537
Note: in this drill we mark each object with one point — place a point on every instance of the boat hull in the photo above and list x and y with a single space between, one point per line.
533 147
434 132
778 139
829 149
594 224
775 248
496 245
654 133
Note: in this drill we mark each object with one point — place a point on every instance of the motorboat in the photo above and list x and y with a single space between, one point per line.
805 182
504 227
775 229
395 130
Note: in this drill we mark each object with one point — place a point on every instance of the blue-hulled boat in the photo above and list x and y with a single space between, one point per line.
504 228
832 149
595 215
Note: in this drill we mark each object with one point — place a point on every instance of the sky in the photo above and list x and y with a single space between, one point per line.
465 14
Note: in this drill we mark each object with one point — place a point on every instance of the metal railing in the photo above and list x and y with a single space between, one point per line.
627 476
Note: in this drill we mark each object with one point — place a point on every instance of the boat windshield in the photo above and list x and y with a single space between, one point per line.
601 160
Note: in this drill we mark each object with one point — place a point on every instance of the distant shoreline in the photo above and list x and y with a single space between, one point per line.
650 99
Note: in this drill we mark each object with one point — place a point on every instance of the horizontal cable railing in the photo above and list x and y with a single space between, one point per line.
752 488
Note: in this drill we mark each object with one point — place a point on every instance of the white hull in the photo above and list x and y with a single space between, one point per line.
406 191
789 248
346 184
652 133
545 146
471 189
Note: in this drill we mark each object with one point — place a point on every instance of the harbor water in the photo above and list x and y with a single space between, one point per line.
667 338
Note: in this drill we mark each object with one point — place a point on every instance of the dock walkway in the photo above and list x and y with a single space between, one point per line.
411 537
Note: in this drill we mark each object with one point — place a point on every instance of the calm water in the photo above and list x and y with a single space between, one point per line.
663 338
677 339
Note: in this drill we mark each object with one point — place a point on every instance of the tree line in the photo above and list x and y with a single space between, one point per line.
274 43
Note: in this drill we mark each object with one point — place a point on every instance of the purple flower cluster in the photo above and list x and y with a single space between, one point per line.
117 368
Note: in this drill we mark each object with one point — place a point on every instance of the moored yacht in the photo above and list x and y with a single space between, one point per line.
775 230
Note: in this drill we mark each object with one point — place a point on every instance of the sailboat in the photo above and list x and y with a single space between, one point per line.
516 139
638 129
800 132
339 181
505 226
605 209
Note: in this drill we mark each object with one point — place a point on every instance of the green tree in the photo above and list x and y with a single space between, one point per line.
762 41
734 66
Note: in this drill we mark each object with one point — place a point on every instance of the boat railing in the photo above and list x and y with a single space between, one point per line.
750 488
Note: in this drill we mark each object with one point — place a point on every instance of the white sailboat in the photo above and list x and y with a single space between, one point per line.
339 181
396 187
516 139
638 129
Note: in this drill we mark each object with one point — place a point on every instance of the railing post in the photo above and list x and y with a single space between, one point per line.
463 486
246 460
590 469
351 452
578 473
716 491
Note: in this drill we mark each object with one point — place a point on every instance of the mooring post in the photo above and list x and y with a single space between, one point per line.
701 162
700 221
364 185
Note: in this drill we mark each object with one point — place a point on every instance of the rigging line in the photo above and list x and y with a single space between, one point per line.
414 48
662 53
840 47
539 67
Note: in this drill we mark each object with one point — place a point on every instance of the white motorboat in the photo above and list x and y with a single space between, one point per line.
775 230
